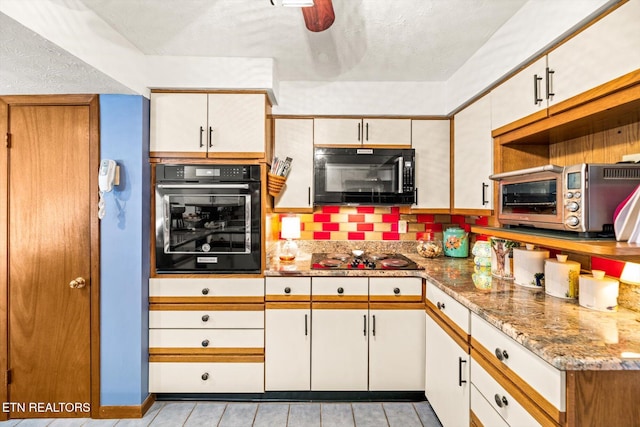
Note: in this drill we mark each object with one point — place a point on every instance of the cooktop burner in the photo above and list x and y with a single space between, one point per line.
374 261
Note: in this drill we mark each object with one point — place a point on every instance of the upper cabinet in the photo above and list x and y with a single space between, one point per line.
355 131
431 142
294 138
473 158
208 125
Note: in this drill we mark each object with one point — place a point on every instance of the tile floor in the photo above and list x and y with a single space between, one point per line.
267 414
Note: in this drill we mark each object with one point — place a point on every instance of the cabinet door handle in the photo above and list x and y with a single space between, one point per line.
205 291
501 400
374 325
205 376
287 290
396 291
460 380
415 190
367 131
549 83
358 131
309 196
210 136
536 92
484 194
201 133
205 343
340 291
440 305
501 354
365 325
205 318
306 327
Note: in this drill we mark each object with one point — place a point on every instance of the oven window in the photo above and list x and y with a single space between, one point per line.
207 223
536 197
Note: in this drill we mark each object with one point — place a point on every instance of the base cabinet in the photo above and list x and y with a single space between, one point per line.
206 377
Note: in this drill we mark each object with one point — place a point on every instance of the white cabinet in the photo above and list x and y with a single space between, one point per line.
196 377
396 348
431 142
366 131
339 347
447 384
608 49
288 334
201 124
473 157
294 138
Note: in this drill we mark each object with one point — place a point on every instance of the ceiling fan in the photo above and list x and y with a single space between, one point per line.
318 14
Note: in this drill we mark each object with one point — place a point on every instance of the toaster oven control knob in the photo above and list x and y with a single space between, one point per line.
569 195
573 207
206 247
573 221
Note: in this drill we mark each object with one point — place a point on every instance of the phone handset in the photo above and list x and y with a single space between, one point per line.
108 176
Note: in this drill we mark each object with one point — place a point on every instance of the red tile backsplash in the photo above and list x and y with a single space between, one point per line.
324 217
330 226
426 218
355 235
365 209
331 209
321 235
356 218
390 236
365 226
611 267
390 218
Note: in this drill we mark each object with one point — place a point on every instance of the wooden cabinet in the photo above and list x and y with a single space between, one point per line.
447 384
362 131
473 159
431 142
288 334
294 138
206 335
208 125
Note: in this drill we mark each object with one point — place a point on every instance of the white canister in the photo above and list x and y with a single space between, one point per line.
528 266
561 277
598 292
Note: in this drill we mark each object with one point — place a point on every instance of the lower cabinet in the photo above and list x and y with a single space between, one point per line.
482 414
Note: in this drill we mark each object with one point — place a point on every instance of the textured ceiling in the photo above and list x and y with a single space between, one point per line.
370 40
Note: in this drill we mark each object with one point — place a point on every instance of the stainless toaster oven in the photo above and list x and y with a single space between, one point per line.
580 198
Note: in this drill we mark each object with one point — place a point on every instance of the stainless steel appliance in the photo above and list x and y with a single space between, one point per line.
369 261
207 218
579 198
369 176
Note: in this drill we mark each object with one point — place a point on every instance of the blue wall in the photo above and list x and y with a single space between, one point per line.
124 252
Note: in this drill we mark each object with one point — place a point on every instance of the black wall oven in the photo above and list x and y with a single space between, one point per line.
373 176
207 218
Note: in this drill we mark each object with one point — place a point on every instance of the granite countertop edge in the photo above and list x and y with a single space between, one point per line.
572 338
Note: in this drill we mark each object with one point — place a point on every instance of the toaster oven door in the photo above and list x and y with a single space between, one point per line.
534 201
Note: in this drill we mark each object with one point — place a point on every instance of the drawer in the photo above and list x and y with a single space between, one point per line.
205 338
207 377
484 412
249 290
395 289
288 288
541 376
206 319
340 288
455 311
499 399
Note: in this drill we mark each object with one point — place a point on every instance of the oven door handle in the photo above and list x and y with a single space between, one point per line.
200 186
400 161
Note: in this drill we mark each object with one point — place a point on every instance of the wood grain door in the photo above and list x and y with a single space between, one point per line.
49 245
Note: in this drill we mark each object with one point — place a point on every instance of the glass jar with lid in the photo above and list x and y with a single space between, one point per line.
428 245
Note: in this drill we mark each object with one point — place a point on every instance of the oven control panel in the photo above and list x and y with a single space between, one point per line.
207 172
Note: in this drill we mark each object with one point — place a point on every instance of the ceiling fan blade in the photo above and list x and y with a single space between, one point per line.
320 16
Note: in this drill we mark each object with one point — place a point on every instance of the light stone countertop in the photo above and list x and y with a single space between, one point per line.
561 332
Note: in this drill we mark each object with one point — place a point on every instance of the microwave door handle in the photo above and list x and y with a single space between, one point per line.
204 186
166 226
400 161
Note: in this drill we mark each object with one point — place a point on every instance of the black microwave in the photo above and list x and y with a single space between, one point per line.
364 176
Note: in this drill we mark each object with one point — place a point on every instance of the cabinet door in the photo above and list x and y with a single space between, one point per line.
431 142
294 138
339 348
473 157
337 131
288 348
237 123
520 96
396 349
608 49
447 376
387 131
178 123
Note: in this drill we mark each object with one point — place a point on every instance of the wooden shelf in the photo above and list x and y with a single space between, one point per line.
607 248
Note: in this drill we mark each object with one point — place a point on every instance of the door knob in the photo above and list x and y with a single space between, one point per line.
78 283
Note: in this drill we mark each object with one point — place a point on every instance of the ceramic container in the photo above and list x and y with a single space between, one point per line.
528 266
561 277
598 292
502 257
482 248
456 242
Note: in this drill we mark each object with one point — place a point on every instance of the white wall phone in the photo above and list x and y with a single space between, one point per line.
108 176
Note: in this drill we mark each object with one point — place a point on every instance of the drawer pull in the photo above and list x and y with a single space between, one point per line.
205 291
205 376
205 343
460 380
501 354
501 401
396 291
287 290
205 318
340 291
440 305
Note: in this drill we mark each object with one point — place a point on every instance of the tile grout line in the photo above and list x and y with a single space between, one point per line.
384 411
413 404
190 412
222 414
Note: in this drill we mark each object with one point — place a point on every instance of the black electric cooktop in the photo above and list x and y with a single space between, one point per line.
368 261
